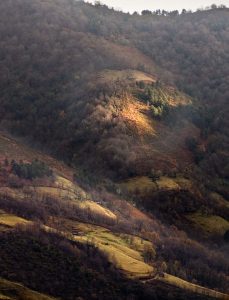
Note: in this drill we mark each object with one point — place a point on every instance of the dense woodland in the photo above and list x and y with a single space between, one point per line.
50 49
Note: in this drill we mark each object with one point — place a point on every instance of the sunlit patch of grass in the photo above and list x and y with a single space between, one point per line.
144 184
126 259
211 224
68 185
97 209
132 266
175 281
136 242
184 183
63 192
138 122
55 192
139 184
167 183
11 220
125 251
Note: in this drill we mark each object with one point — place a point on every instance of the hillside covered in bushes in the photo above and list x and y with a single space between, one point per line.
113 138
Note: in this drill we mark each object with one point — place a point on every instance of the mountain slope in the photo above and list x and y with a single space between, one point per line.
134 110
10 290
135 246
52 89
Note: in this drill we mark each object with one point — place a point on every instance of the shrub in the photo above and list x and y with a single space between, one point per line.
36 169
15 182
149 253
155 175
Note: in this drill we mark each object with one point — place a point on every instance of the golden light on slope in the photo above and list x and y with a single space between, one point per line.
134 114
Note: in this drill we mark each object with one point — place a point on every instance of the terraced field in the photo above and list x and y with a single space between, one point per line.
125 251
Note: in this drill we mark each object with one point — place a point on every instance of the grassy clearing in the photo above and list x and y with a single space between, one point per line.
175 281
142 184
64 194
184 183
123 250
55 192
211 224
138 122
97 209
15 291
166 183
145 185
68 185
11 220
60 188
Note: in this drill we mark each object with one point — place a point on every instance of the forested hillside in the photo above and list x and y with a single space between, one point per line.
137 108
51 49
